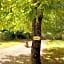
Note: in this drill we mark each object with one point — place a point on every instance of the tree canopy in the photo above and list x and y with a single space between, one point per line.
18 15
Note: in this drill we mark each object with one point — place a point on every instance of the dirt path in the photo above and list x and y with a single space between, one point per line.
18 49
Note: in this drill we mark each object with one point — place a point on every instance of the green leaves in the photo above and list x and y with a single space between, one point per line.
18 14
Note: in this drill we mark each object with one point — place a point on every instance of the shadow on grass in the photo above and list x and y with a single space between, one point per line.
49 56
21 59
53 56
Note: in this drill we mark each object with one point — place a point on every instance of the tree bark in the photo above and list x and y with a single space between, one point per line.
36 44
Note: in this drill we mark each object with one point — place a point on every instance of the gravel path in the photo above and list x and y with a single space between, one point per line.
18 49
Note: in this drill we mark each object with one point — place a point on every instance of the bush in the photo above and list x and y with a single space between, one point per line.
28 35
10 35
49 35
58 36
7 35
23 35
19 35
1 35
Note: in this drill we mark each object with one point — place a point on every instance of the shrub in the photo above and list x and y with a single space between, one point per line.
58 36
19 35
7 35
28 35
49 35
10 35
23 35
1 35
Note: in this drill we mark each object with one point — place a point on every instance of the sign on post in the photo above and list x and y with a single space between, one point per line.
36 37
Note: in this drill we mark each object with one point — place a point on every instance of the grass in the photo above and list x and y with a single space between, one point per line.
54 54
55 43
8 43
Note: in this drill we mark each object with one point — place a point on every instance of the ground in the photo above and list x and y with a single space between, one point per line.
17 50
19 54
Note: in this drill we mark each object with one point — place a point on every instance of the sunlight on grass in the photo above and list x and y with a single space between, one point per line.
8 44
62 58
55 43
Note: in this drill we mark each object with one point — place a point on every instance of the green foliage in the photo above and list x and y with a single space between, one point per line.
23 35
17 15
7 35
10 35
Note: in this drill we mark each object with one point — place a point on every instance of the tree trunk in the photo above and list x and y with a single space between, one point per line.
36 43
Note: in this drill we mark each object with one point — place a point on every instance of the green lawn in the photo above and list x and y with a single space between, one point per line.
54 54
8 43
55 43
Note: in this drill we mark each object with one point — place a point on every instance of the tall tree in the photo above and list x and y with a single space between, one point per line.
36 40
